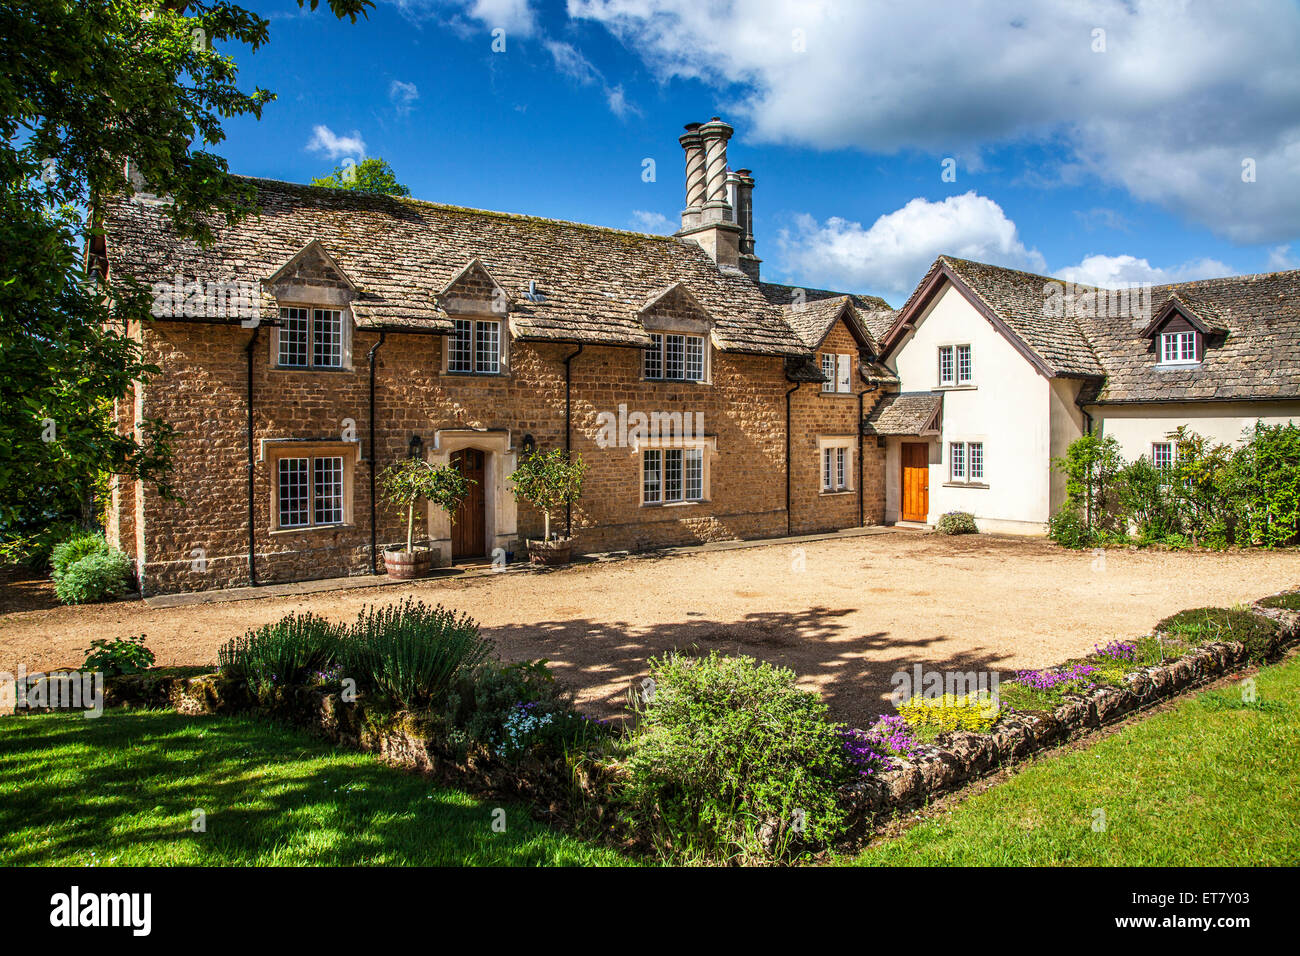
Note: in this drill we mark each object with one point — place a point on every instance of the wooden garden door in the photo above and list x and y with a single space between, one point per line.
469 530
916 481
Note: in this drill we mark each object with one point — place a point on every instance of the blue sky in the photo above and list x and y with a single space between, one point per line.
1123 163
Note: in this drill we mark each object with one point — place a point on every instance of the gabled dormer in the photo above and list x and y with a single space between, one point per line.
478 307
1179 334
313 324
679 328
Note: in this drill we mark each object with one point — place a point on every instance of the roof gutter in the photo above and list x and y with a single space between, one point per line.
374 457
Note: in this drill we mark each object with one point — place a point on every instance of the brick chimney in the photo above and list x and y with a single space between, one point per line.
713 226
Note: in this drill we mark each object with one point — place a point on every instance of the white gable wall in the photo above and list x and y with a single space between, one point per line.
1022 418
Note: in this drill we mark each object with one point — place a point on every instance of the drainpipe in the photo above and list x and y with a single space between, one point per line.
788 524
252 514
374 458
568 439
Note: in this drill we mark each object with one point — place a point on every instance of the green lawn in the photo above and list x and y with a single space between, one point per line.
121 790
1213 782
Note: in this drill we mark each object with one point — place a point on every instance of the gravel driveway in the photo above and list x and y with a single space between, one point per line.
845 614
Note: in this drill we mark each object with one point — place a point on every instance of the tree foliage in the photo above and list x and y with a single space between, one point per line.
371 175
549 481
85 85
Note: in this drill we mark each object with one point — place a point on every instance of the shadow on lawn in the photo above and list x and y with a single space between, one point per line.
130 782
812 642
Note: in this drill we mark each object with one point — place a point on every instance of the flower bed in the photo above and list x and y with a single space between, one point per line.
699 775
1115 682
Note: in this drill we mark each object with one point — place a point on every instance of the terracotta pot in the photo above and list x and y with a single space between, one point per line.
408 565
550 553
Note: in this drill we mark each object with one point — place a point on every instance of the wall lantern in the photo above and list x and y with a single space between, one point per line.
529 445
416 448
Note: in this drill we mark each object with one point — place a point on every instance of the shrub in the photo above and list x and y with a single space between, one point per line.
1091 466
407 480
1144 494
1208 624
512 709
1264 482
71 550
937 715
97 576
957 522
290 651
730 759
127 655
1067 528
412 653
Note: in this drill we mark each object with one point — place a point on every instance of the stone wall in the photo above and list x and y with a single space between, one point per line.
201 542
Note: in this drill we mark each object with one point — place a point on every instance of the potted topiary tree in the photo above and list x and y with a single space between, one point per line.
549 481
405 482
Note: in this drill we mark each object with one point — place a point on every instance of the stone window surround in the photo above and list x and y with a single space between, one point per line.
297 295
671 325
503 340
501 520
849 442
707 443
273 449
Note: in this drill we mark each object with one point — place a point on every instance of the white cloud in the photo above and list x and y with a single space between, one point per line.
1181 95
1112 272
516 17
403 96
570 61
894 253
1281 260
644 220
325 141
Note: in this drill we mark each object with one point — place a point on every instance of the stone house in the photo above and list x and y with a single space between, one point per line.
336 332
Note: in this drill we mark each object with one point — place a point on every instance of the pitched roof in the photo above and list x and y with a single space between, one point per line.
402 253
812 312
903 413
1253 324
1252 353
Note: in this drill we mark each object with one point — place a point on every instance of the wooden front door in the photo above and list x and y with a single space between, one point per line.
469 530
916 481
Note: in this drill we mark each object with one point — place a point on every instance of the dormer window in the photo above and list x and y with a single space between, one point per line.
1179 348
474 347
956 366
678 358
311 338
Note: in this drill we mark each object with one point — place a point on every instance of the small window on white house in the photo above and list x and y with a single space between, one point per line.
672 475
1162 454
674 357
956 366
966 462
1178 348
965 370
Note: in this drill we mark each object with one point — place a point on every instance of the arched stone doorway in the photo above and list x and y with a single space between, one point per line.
491 455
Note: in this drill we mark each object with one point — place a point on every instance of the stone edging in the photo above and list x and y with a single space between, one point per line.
963 757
